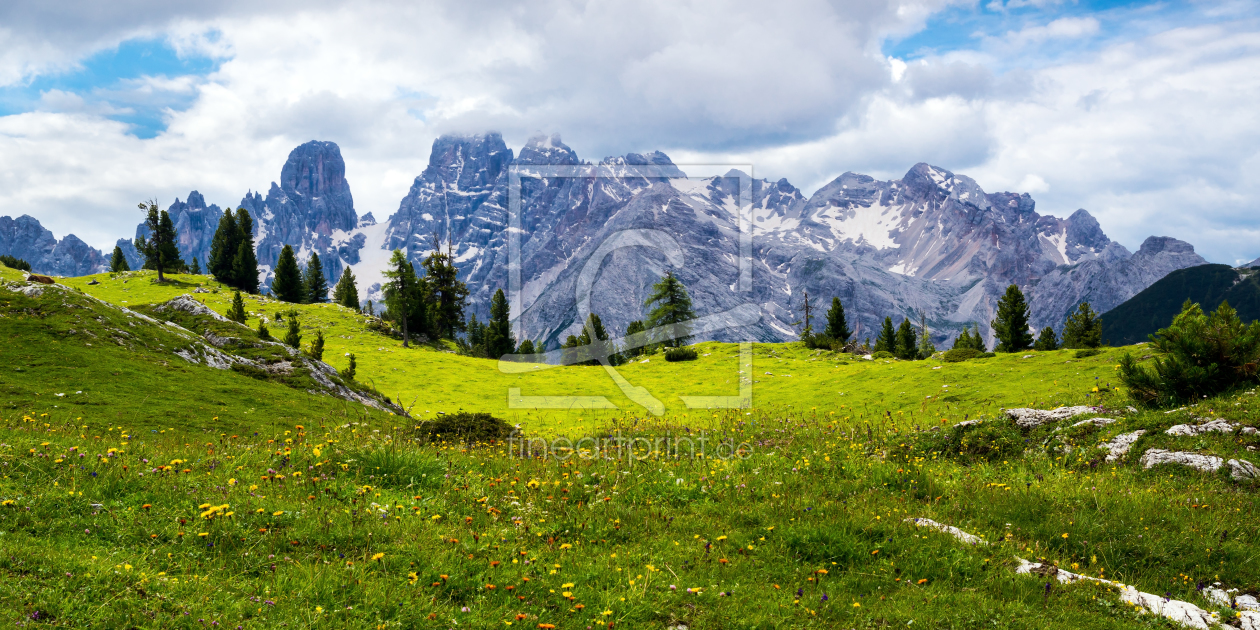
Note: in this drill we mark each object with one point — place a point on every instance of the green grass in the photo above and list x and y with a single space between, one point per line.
839 454
75 359
430 379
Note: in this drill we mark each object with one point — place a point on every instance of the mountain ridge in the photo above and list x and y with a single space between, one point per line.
932 244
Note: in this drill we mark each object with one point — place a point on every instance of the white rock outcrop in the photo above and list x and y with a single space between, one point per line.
948 529
1238 469
1029 418
1118 446
1191 430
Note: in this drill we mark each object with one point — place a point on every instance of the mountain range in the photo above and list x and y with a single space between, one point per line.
1206 285
932 245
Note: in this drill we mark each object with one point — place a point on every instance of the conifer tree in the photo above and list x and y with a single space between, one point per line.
907 342
633 328
118 262
926 349
287 285
160 251
449 294
963 340
346 293
476 339
1010 325
350 369
672 310
527 347
594 337
316 283
1083 328
1046 340
977 341
317 346
223 250
263 331
837 328
403 301
568 352
499 339
195 269
887 339
245 263
236 312
293 337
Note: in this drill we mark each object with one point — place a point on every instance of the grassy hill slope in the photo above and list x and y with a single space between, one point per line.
73 356
1155 307
326 513
786 377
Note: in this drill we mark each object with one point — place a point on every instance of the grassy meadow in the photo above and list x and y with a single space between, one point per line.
179 496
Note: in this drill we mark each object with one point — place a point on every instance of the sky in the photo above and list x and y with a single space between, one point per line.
1143 113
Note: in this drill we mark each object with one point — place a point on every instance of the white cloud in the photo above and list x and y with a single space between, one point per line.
1152 134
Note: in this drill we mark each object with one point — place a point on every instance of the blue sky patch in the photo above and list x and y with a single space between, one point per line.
964 28
136 83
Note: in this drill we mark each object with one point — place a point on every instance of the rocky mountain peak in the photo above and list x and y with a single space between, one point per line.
1082 230
25 238
546 150
1154 245
467 162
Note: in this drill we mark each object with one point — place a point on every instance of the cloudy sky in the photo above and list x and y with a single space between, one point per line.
1144 113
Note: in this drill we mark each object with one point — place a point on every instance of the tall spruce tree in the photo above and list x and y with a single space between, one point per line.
161 253
1046 340
887 339
499 339
287 284
118 262
837 327
1083 328
346 293
527 347
245 263
223 248
316 283
907 342
449 295
195 269
672 310
1010 325
402 292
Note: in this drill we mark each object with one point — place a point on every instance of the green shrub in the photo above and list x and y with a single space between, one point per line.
397 468
680 354
1203 355
986 355
251 371
985 441
816 342
883 354
1087 352
956 355
466 427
